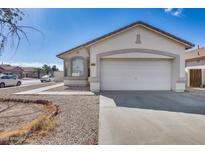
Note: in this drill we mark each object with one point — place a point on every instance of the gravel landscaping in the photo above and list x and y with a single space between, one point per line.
66 88
77 121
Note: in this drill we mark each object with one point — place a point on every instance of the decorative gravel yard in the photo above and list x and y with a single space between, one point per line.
77 122
67 89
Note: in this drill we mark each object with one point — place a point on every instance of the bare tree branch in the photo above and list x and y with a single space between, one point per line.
10 28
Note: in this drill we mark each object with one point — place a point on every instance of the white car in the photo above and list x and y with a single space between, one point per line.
46 78
9 80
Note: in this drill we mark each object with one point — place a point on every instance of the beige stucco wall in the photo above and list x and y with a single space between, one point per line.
196 63
58 76
138 55
77 82
127 41
79 52
149 41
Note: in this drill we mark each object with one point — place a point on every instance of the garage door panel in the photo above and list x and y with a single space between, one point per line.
135 74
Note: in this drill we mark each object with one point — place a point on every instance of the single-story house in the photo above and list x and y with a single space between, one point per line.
136 57
195 67
30 72
21 72
8 69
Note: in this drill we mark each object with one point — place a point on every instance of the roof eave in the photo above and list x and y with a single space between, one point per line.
188 45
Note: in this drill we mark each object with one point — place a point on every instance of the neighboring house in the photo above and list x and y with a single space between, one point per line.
21 72
30 72
135 57
8 69
195 67
1 70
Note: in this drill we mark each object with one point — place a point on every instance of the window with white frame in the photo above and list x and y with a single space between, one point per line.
77 66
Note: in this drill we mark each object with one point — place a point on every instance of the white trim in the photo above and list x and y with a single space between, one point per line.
195 67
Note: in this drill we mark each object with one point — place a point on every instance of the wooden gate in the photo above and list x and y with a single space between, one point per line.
195 77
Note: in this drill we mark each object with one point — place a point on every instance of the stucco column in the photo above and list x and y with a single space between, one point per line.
187 77
66 68
180 74
202 77
94 78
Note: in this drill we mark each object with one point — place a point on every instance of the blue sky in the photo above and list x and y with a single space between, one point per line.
66 28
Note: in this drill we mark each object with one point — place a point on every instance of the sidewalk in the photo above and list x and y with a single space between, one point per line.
38 90
43 91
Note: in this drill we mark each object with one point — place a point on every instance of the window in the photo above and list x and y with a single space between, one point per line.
13 77
77 67
4 77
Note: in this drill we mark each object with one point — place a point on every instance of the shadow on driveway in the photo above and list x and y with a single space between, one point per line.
186 102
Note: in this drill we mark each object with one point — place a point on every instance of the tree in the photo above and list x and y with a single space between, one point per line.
39 71
46 69
54 68
10 28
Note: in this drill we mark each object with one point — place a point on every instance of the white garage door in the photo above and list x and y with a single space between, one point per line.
135 74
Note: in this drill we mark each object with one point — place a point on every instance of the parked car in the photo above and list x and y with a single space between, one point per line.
9 80
46 78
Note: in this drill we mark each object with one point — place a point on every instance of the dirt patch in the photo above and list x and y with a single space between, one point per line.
15 114
22 119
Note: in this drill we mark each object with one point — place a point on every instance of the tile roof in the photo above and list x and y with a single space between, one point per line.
28 69
8 67
195 54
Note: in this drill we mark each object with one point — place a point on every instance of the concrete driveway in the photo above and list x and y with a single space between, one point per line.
152 118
